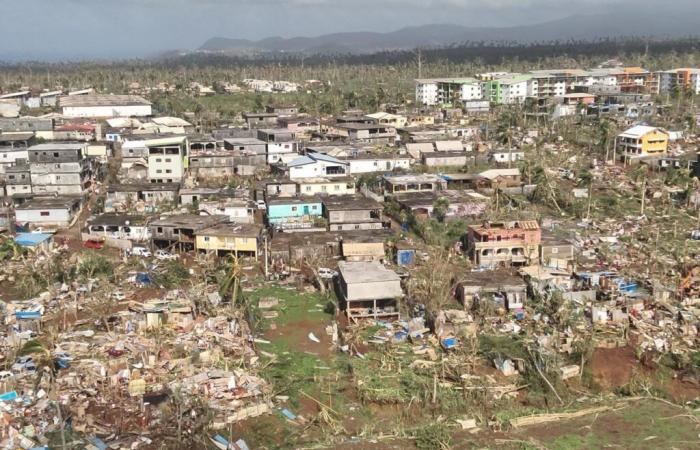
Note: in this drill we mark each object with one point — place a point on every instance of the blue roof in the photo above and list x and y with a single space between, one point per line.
301 161
31 239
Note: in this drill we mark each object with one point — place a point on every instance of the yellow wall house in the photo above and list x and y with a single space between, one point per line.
642 141
325 186
237 238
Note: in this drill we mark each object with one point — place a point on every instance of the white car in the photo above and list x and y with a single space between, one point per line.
324 272
6 375
141 251
261 205
118 296
164 256
24 364
63 355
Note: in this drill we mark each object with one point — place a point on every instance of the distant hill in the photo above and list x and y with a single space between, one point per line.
580 27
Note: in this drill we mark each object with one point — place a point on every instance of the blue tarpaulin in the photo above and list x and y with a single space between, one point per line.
32 239
97 442
28 315
8 396
405 257
449 343
288 414
143 278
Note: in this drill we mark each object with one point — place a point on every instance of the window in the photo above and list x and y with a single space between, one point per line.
555 250
336 187
294 209
206 238
159 229
159 171
308 188
55 155
168 171
313 207
159 160
168 160
44 213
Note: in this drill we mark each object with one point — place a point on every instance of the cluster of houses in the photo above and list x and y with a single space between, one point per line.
315 186
609 84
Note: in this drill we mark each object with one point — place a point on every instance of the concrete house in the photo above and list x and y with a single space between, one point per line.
57 168
368 290
18 180
118 226
295 213
366 162
504 288
641 142
224 238
246 145
260 120
282 110
143 196
315 165
496 244
445 159
396 184
352 212
371 133
179 231
13 147
48 211
325 186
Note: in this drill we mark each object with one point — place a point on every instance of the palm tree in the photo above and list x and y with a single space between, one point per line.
585 178
440 208
231 284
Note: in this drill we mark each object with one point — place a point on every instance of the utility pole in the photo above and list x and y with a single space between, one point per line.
265 243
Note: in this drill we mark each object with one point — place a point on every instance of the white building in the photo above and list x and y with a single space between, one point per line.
516 89
166 159
49 211
377 163
281 152
315 165
100 106
426 92
437 91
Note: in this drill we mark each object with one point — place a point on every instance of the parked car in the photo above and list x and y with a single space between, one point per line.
94 244
118 296
6 375
63 355
164 256
24 365
324 272
141 251
261 205
115 352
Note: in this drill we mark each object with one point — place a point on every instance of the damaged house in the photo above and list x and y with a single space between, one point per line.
495 244
369 291
352 212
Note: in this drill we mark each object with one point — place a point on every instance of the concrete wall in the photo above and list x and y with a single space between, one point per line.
108 111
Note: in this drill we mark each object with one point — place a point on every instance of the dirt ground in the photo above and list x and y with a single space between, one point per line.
613 367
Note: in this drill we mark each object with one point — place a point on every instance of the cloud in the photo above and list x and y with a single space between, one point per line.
119 28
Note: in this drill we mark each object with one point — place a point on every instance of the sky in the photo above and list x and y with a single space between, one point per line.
113 29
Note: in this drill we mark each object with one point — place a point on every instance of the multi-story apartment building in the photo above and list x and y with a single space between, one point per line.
510 90
58 168
438 91
684 79
166 159
504 243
